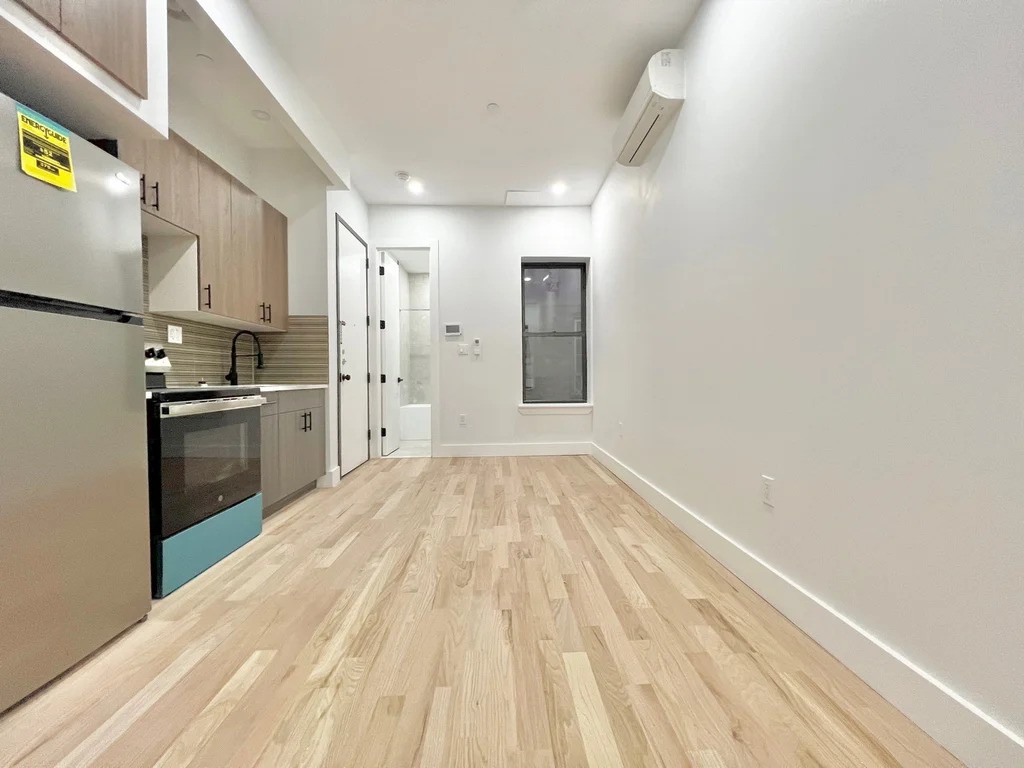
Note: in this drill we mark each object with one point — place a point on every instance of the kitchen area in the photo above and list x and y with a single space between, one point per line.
159 399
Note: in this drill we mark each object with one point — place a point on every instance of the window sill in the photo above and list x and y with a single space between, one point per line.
555 409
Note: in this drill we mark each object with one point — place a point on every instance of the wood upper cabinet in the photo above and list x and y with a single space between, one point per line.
247 244
242 245
274 291
169 187
172 182
47 10
217 265
112 33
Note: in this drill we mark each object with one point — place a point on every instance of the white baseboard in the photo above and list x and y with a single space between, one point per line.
514 449
331 479
964 729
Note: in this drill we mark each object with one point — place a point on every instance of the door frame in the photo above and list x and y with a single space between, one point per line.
435 335
337 319
382 311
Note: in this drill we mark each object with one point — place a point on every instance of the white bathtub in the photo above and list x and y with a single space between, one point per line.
414 421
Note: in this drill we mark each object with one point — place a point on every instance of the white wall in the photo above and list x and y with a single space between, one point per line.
289 181
820 280
479 253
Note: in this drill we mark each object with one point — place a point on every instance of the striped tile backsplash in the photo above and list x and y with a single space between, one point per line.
298 356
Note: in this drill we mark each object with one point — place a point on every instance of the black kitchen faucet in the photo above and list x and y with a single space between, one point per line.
232 376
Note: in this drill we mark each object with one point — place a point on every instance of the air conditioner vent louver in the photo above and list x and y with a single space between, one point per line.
657 98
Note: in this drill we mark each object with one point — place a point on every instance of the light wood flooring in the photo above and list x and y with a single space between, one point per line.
445 613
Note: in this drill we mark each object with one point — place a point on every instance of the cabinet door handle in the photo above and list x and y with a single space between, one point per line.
142 188
209 295
156 189
263 313
270 313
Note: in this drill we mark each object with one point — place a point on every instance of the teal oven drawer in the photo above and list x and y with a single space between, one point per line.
180 558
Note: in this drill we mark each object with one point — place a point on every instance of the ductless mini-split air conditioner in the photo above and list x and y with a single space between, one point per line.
657 98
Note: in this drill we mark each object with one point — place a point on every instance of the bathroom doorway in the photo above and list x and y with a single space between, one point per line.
405 352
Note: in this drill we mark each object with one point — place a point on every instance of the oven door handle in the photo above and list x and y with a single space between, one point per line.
197 408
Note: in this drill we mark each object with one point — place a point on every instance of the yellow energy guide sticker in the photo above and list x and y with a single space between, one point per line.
45 149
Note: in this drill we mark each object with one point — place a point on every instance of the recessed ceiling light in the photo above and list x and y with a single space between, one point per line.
260 114
559 188
527 279
494 107
205 58
415 186
402 176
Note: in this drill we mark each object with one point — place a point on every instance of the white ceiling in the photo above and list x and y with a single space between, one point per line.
415 261
222 85
406 84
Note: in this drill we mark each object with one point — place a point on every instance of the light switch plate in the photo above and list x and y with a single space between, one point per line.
174 334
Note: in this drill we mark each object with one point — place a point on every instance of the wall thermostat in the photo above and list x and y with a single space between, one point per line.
453 329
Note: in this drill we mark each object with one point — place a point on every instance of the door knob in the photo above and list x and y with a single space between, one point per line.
346 377
400 379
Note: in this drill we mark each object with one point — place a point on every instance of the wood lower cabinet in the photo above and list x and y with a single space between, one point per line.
270 462
112 33
294 443
47 10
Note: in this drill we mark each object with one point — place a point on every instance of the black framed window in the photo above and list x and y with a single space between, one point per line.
554 332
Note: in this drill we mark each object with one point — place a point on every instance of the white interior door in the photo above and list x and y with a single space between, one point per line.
353 352
390 355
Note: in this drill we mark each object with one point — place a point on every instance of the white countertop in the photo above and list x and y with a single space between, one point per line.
261 387
286 387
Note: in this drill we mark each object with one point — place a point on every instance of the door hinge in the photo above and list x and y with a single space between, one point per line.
383 431
367 321
383 378
369 435
367 262
382 271
382 325
368 377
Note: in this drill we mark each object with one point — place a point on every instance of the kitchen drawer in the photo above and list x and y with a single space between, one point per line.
299 400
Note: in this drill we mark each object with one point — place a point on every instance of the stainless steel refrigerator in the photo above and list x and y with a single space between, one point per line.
74 517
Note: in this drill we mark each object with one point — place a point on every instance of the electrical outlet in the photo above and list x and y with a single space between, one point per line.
767 491
174 334
462 420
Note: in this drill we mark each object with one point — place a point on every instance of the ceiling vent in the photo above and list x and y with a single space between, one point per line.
657 98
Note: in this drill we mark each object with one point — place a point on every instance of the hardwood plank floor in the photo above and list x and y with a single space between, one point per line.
448 613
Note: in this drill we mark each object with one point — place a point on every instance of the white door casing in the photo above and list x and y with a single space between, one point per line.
353 351
390 355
